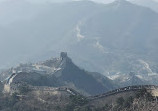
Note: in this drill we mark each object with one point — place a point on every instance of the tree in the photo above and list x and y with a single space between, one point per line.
24 89
13 99
78 100
128 102
120 101
143 93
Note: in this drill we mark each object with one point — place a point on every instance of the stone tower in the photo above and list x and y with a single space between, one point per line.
63 55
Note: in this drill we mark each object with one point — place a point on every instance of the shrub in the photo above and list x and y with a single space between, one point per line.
78 100
128 102
120 101
24 89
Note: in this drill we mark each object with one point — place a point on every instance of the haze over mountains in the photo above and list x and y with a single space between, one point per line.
109 46
153 4
62 72
58 72
115 38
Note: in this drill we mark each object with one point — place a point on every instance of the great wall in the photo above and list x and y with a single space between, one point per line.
152 88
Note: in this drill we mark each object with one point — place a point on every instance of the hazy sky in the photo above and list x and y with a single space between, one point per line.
38 1
103 1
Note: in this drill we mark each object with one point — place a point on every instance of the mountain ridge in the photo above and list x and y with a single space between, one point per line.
61 72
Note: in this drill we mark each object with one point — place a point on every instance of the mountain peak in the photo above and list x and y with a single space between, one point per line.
121 2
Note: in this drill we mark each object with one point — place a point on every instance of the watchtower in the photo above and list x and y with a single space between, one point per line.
63 55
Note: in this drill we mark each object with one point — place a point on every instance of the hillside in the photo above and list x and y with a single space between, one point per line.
40 100
59 72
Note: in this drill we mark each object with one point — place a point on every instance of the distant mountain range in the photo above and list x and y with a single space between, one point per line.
147 3
112 39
